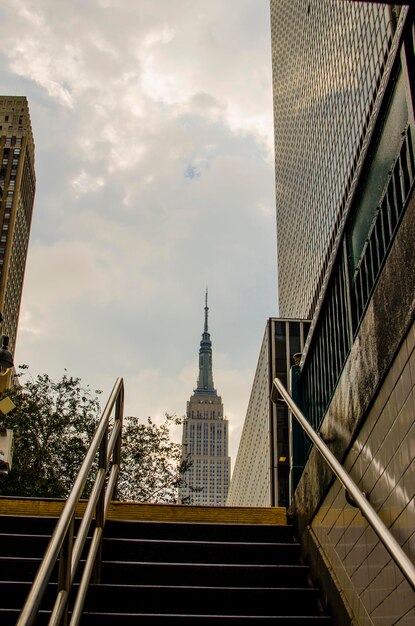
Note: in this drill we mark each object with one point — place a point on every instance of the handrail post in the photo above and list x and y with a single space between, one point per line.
100 508
116 457
64 576
61 542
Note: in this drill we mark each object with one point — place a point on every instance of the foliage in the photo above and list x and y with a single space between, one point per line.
152 466
54 422
53 425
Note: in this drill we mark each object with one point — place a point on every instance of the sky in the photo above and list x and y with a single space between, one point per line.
154 162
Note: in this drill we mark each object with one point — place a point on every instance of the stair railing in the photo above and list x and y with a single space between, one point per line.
353 492
62 545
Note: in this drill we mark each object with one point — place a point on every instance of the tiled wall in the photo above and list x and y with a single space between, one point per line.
382 462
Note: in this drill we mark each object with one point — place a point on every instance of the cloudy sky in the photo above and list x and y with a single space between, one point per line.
154 161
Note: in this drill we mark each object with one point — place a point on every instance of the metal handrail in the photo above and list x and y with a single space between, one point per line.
398 555
61 544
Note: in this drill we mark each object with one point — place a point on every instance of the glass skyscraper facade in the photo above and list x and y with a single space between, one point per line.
329 57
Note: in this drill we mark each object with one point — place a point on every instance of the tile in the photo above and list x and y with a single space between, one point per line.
351 457
402 356
410 339
359 613
407 452
404 525
381 428
394 490
407 620
395 605
411 364
394 402
356 555
380 588
400 498
409 547
385 391
360 467
362 552
404 386
362 576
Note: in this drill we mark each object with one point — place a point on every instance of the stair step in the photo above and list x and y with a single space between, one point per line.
13 594
17 569
249 601
199 532
17 524
208 600
51 507
110 619
160 569
200 552
217 574
9 618
23 545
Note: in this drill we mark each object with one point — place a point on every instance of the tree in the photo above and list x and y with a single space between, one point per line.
54 422
152 468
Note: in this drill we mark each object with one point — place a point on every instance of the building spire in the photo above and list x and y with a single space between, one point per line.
205 380
206 311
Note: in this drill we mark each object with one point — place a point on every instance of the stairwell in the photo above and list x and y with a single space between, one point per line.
171 565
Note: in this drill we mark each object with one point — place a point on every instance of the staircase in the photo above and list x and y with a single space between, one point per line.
164 569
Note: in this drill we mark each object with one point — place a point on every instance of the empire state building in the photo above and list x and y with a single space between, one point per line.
205 436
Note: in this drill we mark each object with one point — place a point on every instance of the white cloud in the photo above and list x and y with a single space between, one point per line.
153 132
85 183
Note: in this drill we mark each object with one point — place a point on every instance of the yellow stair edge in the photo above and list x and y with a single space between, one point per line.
47 507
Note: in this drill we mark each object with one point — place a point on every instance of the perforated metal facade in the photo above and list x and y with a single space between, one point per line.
328 59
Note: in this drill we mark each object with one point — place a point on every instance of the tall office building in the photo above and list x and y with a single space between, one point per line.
344 104
329 57
205 436
17 192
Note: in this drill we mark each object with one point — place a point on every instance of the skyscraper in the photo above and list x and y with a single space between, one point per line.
17 192
329 58
344 119
205 435
344 105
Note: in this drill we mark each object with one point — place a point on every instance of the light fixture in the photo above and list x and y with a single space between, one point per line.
6 358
